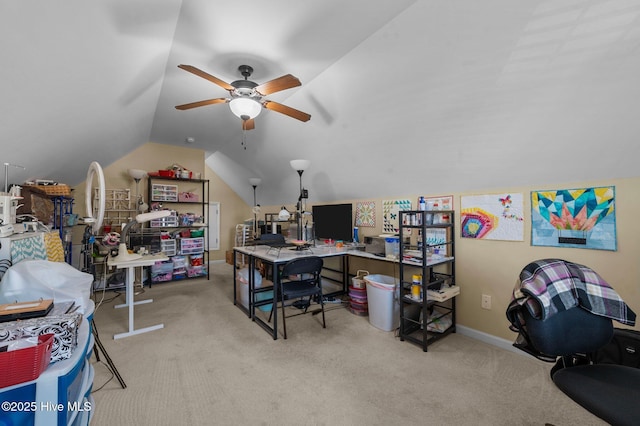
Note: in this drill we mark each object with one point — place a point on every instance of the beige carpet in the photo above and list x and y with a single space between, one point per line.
211 365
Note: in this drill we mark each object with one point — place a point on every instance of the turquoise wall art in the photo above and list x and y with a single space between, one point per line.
575 218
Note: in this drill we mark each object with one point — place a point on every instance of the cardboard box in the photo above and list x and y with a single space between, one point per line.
229 257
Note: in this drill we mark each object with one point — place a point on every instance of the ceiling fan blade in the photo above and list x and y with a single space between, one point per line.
249 124
201 103
207 76
283 109
281 83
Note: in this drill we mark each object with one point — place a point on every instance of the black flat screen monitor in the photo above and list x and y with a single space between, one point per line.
333 221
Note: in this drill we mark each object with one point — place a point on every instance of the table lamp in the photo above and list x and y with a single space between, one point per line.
123 253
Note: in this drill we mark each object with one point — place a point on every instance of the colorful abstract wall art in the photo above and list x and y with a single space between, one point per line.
576 218
391 216
366 213
492 217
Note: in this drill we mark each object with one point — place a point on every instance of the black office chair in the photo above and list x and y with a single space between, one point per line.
569 338
300 278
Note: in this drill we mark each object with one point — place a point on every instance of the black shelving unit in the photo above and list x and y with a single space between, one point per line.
62 210
427 259
172 193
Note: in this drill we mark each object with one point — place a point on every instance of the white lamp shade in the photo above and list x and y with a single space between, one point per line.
255 181
244 106
137 173
284 214
300 165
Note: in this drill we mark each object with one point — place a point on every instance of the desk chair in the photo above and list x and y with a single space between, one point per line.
300 278
611 392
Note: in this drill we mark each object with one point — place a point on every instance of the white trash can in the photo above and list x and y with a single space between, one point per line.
382 298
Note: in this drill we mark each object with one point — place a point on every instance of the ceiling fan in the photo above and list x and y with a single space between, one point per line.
246 98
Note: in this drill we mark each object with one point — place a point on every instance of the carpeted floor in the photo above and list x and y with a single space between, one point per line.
211 365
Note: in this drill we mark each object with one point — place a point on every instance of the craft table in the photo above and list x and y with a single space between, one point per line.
130 265
276 257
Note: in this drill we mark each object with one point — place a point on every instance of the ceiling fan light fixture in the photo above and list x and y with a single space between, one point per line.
243 107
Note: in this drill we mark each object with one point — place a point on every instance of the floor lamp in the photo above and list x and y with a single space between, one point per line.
137 176
300 166
254 183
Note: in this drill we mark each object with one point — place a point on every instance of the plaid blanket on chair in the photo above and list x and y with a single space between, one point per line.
548 286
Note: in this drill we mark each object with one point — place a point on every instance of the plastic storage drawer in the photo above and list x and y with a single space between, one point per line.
191 245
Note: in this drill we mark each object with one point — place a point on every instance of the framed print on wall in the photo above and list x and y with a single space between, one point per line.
492 217
576 218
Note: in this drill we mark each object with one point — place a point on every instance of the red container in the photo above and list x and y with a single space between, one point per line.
24 365
166 173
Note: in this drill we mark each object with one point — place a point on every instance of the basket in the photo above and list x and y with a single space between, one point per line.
53 190
24 365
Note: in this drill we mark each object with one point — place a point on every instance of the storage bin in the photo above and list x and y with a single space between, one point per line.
196 271
161 192
64 327
165 222
24 365
197 233
191 245
162 271
188 197
392 247
179 262
383 302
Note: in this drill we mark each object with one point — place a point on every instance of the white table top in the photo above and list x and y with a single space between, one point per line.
145 260
284 254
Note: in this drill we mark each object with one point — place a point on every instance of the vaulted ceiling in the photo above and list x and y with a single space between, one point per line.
406 96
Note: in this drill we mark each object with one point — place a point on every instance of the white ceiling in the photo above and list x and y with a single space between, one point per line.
406 96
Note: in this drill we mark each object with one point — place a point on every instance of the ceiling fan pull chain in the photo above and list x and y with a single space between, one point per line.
244 139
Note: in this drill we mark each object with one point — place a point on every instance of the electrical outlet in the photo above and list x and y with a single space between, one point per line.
486 301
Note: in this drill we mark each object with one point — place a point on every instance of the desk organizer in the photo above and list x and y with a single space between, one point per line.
24 365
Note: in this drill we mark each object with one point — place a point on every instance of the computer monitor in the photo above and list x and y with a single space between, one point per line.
333 221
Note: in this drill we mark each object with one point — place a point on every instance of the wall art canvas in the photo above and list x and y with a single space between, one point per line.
492 217
444 203
391 216
576 218
366 213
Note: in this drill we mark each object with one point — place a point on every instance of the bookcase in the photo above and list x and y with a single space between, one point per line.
427 276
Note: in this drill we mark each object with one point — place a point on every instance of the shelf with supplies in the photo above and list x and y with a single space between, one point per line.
183 235
427 275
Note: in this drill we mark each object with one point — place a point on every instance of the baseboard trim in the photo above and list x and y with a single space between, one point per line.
488 338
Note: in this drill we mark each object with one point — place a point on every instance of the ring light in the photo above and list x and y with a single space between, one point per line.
94 169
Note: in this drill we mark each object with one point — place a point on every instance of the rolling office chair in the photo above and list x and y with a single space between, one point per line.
300 278
569 337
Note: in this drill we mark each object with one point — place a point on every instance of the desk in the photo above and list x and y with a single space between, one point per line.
276 257
130 266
